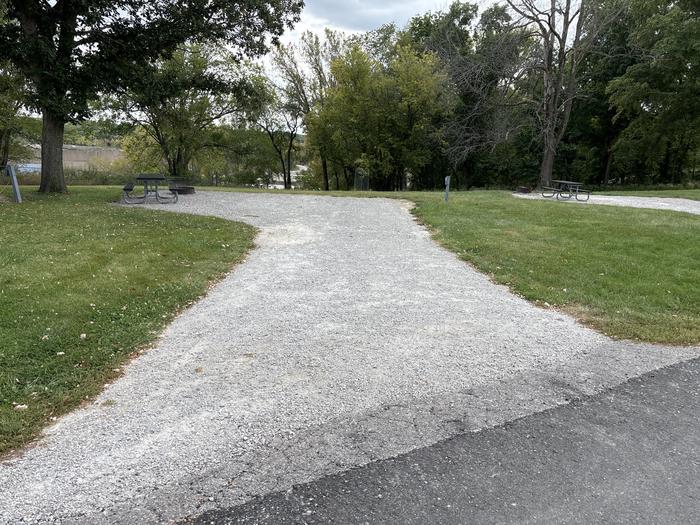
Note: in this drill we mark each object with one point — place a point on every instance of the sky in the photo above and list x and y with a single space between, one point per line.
360 15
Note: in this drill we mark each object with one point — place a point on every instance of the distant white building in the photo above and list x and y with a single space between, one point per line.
75 157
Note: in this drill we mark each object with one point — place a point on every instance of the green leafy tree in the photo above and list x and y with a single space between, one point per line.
12 95
305 69
382 118
179 101
279 116
594 129
243 156
71 51
142 151
660 94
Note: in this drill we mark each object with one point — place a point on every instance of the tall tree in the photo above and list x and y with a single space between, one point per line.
660 94
280 117
306 71
594 129
12 94
566 30
73 50
11 98
383 117
180 101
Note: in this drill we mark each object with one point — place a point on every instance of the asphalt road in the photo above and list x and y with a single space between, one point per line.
628 455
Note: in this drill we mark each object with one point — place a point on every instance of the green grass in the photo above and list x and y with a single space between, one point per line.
630 273
75 264
682 194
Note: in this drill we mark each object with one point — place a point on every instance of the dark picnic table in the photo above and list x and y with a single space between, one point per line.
565 189
151 184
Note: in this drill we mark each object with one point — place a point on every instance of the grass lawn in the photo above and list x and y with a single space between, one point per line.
83 285
682 194
74 264
630 273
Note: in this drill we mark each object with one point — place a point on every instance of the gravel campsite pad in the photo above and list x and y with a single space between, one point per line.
655 203
347 336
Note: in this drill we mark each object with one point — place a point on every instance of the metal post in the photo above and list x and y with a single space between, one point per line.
10 170
447 188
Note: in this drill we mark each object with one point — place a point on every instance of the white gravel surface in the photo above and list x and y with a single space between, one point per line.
347 336
657 203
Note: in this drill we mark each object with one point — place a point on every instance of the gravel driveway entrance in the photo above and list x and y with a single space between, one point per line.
347 336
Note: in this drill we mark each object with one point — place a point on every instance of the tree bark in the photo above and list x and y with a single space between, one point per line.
288 177
608 166
546 167
324 166
52 178
5 147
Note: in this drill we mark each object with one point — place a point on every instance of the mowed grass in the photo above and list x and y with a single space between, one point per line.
629 273
83 285
678 194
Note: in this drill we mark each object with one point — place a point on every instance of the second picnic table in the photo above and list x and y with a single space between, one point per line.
150 188
565 189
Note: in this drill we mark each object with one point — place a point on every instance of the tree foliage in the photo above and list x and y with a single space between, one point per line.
72 51
180 101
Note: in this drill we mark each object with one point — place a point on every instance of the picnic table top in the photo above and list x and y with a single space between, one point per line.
145 177
569 182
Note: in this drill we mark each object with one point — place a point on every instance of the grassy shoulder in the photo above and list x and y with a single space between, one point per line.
83 285
630 273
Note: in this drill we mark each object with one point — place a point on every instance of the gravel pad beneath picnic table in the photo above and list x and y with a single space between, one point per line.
347 336
656 203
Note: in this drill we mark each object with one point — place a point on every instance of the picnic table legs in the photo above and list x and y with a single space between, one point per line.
564 193
166 199
133 199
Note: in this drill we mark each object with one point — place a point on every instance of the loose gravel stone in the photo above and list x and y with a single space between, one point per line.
347 336
656 203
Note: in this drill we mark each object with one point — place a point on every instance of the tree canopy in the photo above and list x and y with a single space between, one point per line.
72 51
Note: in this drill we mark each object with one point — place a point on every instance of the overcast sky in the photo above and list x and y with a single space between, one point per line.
360 15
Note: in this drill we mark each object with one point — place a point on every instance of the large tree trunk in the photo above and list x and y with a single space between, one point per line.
181 166
288 179
5 137
608 166
52 179
324 166
547 167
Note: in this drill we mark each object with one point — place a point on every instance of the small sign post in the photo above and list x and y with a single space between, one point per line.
10 172
447 188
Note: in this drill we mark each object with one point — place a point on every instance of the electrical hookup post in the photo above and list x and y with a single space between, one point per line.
447 188
10 172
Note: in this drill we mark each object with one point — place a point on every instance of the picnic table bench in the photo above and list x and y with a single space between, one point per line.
565 189
177 186
150 189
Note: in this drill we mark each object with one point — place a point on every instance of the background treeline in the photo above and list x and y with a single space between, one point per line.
606 92
465 94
